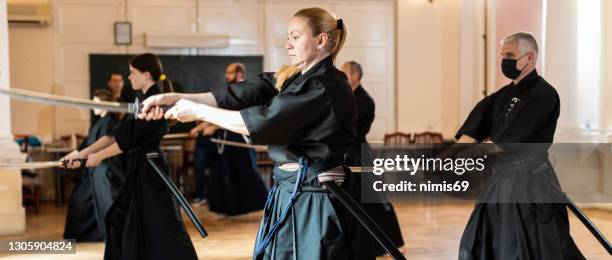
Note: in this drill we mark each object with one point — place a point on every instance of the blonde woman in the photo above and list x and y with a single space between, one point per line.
305 113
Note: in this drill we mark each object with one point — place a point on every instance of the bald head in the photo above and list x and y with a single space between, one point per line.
235 72
353 72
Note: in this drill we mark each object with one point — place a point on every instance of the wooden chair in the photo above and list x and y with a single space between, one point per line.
66 139
26 142
397 138
428 138
30 189
31 196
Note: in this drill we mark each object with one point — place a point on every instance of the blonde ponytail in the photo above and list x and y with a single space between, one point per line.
283 74
321 21
342 32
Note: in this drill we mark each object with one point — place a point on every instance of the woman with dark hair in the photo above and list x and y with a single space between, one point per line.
98 187
144 221
305 113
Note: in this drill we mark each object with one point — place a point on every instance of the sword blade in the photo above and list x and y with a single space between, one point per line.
238 144
37 97
30 165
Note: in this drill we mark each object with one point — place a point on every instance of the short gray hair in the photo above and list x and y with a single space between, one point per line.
355 68
526 42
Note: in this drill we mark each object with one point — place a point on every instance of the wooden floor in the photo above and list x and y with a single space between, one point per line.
430 232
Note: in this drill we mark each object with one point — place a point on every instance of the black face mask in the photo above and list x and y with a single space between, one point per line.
509 69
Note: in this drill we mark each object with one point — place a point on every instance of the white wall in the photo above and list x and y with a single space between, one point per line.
255 27
607 66
561 57
580 76
472 55
12 213
431 84
4 71
80 28
428 65
32 69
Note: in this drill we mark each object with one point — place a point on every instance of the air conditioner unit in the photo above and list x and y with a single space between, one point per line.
31 12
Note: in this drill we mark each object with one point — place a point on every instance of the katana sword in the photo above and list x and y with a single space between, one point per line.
589 225
38 165
216 140
178 136
37 97
30 165
582 217
238 144
360 214
354 169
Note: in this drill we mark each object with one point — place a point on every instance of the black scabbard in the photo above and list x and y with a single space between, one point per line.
364 219
589 225
584 219
177 194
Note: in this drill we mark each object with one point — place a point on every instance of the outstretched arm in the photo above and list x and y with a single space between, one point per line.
185 111
150 106
96 158
101 144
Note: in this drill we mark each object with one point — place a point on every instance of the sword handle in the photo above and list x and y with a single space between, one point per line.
134 108
82 162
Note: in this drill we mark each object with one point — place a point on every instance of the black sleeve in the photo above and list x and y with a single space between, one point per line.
544 110
365 118
107 130
131 133
480 121
289 116
83 145
245 94
123 133
110 126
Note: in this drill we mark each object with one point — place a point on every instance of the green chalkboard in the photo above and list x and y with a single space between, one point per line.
188 73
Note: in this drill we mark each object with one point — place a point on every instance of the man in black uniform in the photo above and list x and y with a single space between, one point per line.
235 187
511 225
382 213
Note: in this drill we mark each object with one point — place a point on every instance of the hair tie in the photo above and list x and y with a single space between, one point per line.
162 77
339 24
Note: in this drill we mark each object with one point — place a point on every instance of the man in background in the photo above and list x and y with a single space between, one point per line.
381 213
